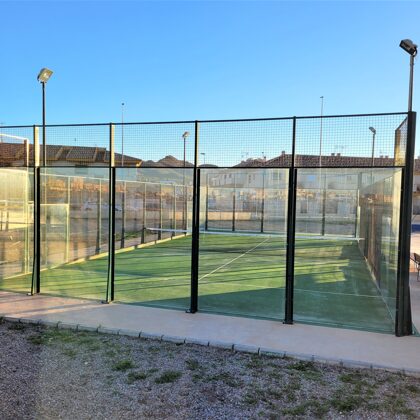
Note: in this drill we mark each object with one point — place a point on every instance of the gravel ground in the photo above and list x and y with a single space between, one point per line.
47 373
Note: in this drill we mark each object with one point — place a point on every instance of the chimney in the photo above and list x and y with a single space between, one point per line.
332 154
283 152
338 154
386 157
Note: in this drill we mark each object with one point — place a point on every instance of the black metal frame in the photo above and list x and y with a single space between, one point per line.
195 253
403 322
291 230
110 290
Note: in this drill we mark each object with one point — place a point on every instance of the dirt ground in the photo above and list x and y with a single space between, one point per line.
47 373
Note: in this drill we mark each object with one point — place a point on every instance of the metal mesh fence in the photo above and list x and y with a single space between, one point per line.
76 145
252 143
155 145
350 141
226 206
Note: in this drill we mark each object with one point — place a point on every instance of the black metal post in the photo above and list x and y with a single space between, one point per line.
174 212
403 321
263 201
143 230
36 272
356 220
184 194
44 144
195 253
99 219
291 228
206 222
160 213
111 220
233 210
36 268
324 200
123 210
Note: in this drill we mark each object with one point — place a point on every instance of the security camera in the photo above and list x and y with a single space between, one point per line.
409 46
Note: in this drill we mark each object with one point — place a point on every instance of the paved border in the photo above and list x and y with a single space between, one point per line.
261 351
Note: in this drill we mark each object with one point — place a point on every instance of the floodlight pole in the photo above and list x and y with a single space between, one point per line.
373 144
44 148
411 83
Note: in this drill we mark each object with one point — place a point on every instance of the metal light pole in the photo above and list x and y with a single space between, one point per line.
411 48
204 158
122 134
43 78
184 207
373 144
403 318
320 132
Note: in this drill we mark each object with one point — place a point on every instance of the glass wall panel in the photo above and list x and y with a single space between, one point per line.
153 267
274 211
242 272
347 274
326 202
16 229
74 231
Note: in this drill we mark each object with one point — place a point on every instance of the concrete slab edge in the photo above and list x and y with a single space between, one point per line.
242 348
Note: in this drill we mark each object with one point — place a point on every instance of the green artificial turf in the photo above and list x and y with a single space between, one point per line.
240 275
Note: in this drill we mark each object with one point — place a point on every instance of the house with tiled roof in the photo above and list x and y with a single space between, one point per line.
15 154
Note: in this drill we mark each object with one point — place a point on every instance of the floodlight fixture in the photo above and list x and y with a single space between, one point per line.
372 129
185 135
44 75
409 46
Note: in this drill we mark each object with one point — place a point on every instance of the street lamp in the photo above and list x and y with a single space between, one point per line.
204 157
373 144
408 46
185 136
43 77
184 207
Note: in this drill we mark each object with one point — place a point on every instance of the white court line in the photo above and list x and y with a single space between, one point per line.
254 286
229 262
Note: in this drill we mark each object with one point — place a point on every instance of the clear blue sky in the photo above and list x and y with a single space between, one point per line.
203 60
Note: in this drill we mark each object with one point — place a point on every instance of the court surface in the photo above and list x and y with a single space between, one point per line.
238 274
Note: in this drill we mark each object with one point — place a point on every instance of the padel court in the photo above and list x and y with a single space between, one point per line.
303 219
239 274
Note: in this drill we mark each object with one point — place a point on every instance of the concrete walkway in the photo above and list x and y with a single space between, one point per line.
350 347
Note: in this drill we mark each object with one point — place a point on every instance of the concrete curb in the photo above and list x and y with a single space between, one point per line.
129 333
197 341
241 348
67 326
173 339
103 330
221 345
87 328
151 336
